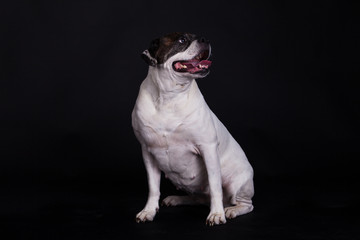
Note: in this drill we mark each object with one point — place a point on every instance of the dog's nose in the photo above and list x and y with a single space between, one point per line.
203 40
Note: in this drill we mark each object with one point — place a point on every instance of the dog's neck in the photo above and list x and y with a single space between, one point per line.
169 92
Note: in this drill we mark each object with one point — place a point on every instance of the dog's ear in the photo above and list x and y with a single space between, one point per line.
148 58
149 54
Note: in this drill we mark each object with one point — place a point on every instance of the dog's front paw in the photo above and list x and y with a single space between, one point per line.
215 218
145 216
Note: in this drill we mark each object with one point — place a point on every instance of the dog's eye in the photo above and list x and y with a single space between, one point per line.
182 40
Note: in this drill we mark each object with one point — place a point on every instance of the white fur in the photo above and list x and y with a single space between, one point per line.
183 138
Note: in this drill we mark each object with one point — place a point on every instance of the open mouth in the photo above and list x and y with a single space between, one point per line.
195 65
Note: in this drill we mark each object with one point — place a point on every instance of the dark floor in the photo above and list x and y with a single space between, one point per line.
82 209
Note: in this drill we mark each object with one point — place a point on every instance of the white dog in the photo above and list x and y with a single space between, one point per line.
183 138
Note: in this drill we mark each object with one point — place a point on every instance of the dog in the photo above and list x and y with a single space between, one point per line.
181 137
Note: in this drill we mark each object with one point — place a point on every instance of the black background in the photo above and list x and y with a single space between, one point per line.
283 82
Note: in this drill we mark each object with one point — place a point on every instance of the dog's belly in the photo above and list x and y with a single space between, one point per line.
183 166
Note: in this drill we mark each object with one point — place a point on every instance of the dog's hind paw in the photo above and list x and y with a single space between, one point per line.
234 211
177 200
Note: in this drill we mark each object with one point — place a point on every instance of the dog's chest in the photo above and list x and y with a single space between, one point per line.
162 130
168 139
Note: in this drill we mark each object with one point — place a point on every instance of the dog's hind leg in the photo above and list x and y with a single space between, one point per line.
241 201
241 207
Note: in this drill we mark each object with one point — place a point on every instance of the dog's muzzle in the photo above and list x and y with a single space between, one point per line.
198 64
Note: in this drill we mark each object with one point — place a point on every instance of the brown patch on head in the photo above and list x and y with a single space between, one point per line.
164 47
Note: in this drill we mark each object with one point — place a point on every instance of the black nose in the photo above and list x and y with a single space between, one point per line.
203 40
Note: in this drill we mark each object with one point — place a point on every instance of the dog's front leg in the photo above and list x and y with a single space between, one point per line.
153 175
210 155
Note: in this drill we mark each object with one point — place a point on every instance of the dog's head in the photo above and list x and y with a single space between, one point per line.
182 54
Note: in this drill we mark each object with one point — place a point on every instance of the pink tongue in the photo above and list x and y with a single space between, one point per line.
194 63
205 62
